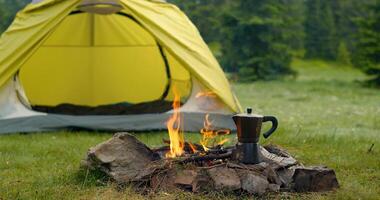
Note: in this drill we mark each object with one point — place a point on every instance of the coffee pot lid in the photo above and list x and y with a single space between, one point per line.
248 114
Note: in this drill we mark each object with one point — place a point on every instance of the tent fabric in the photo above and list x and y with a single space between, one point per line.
105 56
52 122
164 21
27 32
17 117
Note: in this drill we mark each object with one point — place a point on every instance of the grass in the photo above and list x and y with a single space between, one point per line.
326 117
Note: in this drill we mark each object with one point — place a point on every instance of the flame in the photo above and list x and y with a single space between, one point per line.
205 94
174 128
209 136
192 147
223 141
207 100
223 132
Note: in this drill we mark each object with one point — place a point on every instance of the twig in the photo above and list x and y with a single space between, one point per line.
370 149
206 158
85 179
198 147
162 179
213 166
255 168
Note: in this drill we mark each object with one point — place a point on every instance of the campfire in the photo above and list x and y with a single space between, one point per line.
208 165
210 142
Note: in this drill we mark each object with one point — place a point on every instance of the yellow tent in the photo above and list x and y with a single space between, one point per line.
93 53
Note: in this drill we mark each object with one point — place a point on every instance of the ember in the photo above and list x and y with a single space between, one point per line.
193 148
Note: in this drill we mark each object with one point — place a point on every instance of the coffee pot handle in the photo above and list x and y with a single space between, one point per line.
274 125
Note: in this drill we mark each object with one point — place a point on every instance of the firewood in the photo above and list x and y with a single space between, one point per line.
187 147
206 158
128 161
163 148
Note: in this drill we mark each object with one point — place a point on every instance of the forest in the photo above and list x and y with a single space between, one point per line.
257 39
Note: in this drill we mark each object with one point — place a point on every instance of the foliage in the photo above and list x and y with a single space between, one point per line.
256 40
321 40
345 13
8 9
367 54
314 126
343 55
330 24
205 14
2 17
294 18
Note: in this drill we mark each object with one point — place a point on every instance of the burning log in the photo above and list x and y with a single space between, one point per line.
188 147
178 146
209 135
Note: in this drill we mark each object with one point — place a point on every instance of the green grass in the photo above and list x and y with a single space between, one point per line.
326 117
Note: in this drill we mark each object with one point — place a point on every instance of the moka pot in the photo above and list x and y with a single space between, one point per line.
248 132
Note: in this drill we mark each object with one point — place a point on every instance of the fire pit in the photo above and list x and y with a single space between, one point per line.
209 165
126 160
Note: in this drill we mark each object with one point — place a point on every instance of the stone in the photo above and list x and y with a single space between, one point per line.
274 187
286 176
224 178
122 157
314 179
128 161
151 169
254 184
202 182
186 179
281 160
271 175
277 150
164 180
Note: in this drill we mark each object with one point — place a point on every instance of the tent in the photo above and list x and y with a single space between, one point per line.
108 65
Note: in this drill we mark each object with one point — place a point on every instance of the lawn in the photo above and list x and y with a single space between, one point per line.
326 117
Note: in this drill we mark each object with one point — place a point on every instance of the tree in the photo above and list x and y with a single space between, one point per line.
295 30
321 39
256 39
345 13
367 53
205 15
8 9
343 56
2 17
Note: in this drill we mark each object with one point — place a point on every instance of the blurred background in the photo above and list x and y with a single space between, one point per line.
258 39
